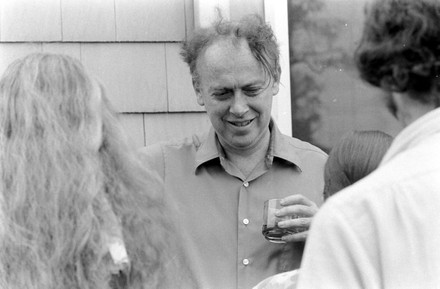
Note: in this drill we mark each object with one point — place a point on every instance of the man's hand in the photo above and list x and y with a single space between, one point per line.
297 205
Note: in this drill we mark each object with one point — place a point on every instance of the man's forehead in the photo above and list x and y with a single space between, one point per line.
226 63
225 47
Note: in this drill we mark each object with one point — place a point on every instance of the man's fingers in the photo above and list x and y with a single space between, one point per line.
296 237
301 210
297 199
295 223
296 205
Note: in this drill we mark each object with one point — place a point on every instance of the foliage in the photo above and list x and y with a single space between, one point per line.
313 48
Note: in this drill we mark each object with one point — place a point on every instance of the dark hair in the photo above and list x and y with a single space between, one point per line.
355 156
400 47
259 36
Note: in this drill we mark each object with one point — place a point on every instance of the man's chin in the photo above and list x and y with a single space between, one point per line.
242 143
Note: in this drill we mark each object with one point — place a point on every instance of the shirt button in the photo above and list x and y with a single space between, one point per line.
245 221
246 184
245 262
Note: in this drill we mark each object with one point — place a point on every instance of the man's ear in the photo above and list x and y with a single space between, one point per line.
275 87
200 100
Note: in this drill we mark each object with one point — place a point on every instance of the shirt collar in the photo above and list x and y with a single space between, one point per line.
414 133
209 149
279 147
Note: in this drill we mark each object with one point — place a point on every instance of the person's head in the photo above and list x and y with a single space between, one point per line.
355 156
46 97
400 53
63 160
235 70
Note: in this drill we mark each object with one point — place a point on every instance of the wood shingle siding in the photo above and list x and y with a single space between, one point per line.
131 46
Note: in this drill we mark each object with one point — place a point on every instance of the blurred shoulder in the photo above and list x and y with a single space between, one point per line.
156 151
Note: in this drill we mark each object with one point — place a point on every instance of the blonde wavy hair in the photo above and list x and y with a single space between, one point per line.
54 187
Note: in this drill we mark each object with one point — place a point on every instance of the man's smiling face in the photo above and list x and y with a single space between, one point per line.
236 92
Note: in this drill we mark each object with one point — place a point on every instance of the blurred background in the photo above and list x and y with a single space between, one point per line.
132 47
328 98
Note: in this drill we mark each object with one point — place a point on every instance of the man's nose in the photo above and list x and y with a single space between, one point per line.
239 105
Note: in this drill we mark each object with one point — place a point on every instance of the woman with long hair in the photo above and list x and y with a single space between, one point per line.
77 208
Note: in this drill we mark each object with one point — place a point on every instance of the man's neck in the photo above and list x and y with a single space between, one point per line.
411 110
247 159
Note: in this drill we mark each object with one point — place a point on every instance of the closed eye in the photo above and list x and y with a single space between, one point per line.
223 94
252 91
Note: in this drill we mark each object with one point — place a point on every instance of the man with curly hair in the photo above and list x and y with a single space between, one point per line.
384 231
221 179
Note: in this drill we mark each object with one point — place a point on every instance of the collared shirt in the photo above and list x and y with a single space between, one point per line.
384 231
220 211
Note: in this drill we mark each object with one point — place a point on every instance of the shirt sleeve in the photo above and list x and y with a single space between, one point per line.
338 251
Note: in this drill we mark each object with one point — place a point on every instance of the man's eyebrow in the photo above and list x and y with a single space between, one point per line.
220 89
253 85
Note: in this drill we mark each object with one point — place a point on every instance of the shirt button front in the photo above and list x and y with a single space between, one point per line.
246 184
245 262
245 221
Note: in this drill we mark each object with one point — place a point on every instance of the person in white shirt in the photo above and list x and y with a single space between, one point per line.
384 231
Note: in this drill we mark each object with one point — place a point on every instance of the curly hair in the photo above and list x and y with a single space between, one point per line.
58 195
400 47
259 36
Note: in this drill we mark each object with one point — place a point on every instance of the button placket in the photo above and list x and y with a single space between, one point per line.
244 232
